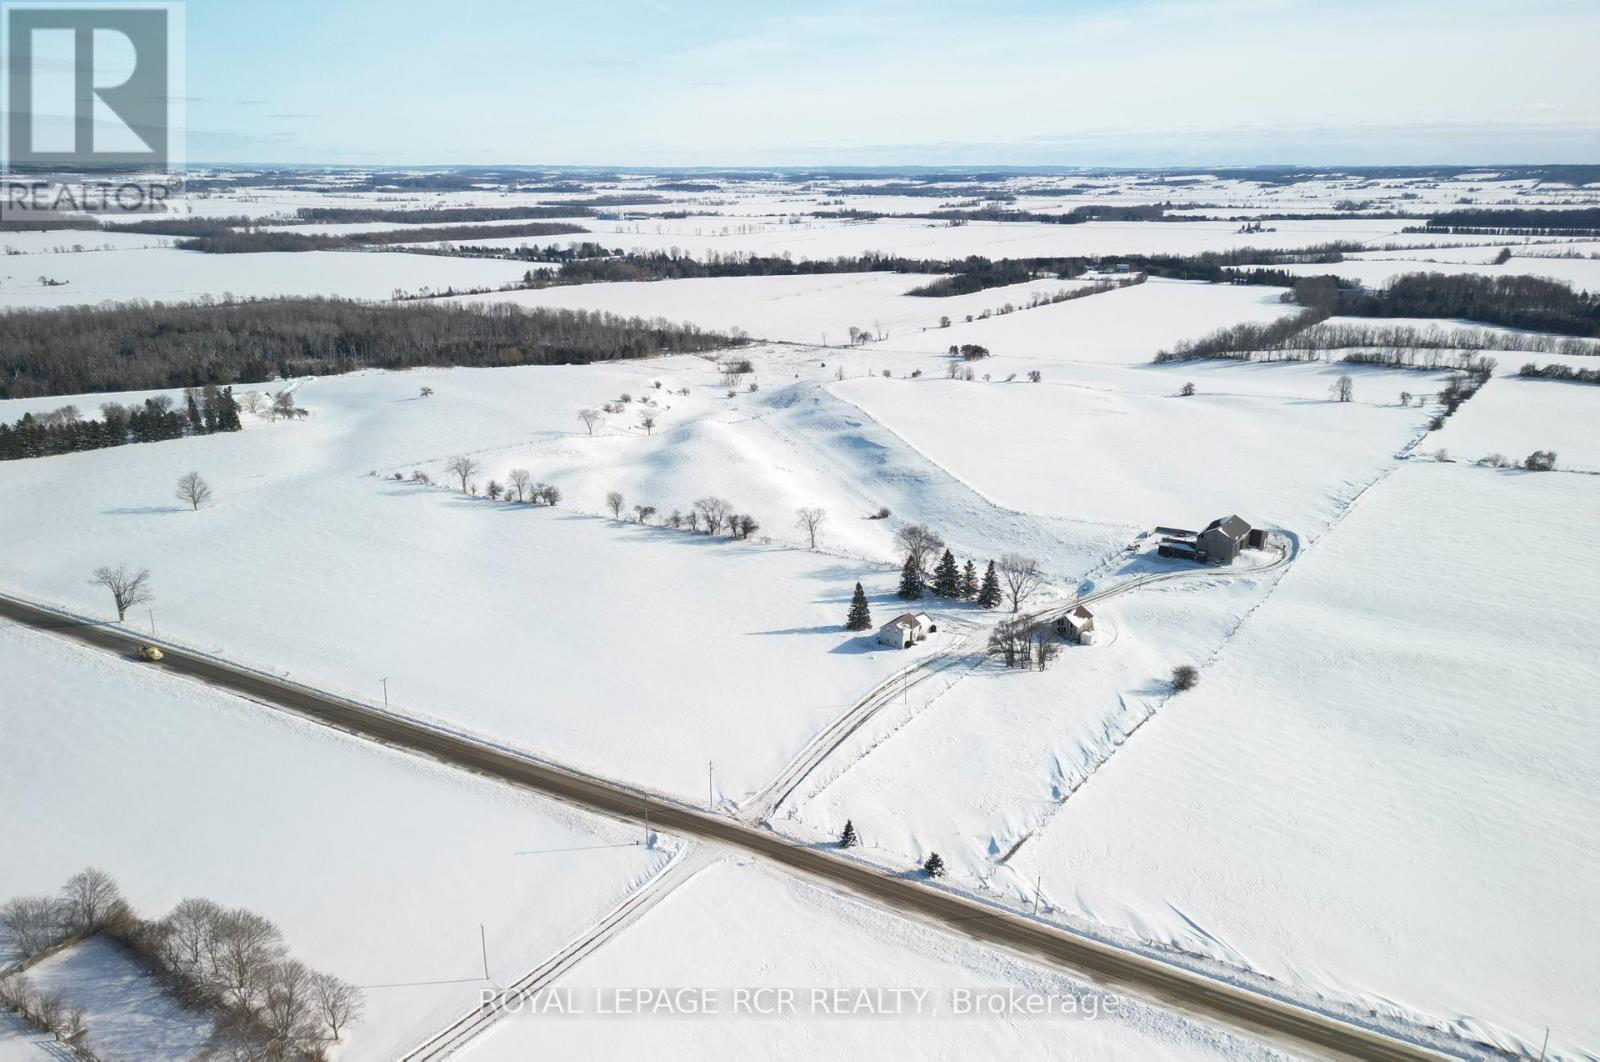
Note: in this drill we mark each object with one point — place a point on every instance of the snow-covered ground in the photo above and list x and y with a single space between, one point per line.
743 926
715 650
378 867
803 309
1514 416
21 1042
169 275
1120 327
125 1010
977 760
1145 459
1384 787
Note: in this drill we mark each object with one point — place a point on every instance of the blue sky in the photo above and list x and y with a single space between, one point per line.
1112 82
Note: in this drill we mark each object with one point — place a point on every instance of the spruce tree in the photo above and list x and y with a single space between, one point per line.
860 617
969 581
989 594
910 580
197 423
848 838
934 867
947 577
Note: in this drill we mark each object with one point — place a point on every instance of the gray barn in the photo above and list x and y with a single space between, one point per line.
1223 538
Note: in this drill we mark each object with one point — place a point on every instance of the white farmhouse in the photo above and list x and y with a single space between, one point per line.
906 630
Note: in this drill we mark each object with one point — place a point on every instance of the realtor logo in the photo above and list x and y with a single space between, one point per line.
92 86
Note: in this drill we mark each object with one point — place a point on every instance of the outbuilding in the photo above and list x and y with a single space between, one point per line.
906 630
1223 538
1075 624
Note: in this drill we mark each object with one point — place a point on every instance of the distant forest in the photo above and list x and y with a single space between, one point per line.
139 346
435 215
1578 222
234 241
1510 301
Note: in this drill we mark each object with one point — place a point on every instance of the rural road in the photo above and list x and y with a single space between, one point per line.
1281 1023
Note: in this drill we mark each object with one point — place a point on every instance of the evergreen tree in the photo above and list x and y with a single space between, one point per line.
228 412
946 576
989 594
910 580
213 405
934 867
969 581
848 838
860 617
197 425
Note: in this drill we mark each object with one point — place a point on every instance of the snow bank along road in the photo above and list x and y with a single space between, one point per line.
1299 1029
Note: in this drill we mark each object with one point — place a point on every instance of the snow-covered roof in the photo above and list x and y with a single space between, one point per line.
1232 526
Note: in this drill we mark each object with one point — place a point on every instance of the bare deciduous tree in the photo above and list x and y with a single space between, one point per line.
808 520
1022 577
591 418
89 900
427 392
1343 389
916 541
643 513
463 468
288 1005
714 511
128 588
647 421
246 946
614 503
192 488
338 1002
32 922
283 405
520 478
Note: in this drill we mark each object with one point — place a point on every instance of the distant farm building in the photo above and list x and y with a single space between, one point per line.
906 630
1219 543
1076 624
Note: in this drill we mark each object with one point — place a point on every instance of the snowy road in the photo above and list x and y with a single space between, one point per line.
1275 1020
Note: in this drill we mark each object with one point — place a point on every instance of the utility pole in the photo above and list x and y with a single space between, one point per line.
385 682
1038 883
483 942
152 622
647 821
710 801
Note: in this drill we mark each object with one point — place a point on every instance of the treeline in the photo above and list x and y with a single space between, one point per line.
232 962
49 223
236 241
662 265
1582 221
66 430
1306 336
979 274
1532 303
434 215
1557 371
77 350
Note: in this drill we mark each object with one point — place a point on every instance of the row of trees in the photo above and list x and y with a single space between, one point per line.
67 430
1534 303
232 961
137 346
1559 371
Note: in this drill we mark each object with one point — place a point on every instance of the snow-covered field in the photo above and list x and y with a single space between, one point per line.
378 867
165 274
1513 417
1380 797
802 309
1145 459
976 761
743 926
1384 787
125 1011
306 564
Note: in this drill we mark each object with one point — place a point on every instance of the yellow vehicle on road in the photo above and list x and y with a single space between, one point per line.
150 653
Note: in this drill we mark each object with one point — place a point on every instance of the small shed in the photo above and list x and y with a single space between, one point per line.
906 630
1075 624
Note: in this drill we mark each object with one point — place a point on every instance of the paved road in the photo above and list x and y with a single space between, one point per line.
1109 967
